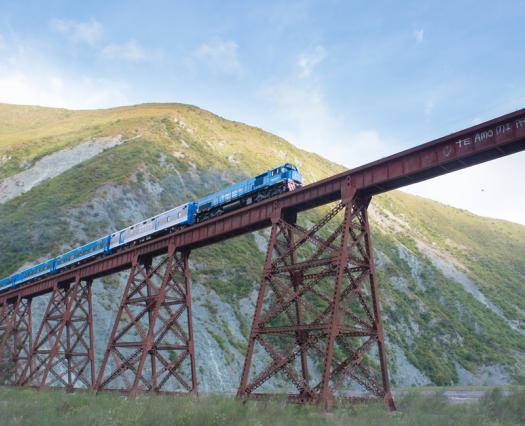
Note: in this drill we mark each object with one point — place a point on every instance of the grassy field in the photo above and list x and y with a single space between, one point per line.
29 407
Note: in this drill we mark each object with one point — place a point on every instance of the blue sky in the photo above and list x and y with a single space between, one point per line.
351 80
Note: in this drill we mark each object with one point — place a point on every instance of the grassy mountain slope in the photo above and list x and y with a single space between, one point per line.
452 282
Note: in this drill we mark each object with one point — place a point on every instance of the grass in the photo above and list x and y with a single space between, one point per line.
48 407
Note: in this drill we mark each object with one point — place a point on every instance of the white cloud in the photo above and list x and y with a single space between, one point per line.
129 51
419 35
429 107
307 61
355 148
219 55
2 41
300 114
51 86
89 32
482 189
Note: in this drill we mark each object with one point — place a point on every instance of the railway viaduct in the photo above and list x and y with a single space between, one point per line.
318 297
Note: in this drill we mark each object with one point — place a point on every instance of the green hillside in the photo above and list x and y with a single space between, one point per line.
451 282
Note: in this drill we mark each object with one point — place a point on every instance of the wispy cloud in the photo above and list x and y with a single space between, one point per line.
419 35
429 107
308 60
130 51
89 32
479 189
219 55
52 86
306 119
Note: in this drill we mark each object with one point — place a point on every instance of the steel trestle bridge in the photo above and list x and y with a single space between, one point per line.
317 306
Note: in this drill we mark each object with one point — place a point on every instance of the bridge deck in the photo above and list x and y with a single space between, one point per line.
489 140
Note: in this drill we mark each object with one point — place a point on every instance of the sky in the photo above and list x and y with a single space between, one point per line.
353 81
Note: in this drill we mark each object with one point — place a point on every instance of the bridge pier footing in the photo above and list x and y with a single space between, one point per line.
318 306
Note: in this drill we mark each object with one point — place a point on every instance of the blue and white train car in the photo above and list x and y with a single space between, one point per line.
177 216
180 215
8 282
36 271
77 255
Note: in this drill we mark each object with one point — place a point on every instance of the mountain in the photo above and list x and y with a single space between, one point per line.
451 282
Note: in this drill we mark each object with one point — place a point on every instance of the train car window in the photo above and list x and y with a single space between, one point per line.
274 172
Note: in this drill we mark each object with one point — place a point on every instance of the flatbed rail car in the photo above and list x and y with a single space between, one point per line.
265 185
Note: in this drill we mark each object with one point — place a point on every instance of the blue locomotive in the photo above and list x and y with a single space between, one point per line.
268 184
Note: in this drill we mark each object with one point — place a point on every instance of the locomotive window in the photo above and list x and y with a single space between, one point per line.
205 206
259 180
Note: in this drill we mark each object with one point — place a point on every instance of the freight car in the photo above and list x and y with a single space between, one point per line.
268 184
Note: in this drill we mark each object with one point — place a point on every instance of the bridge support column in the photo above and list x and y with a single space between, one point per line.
15 339
151 347
7 310
317 318
63 351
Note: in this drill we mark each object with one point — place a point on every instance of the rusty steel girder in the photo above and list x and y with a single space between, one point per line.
151 344
318 309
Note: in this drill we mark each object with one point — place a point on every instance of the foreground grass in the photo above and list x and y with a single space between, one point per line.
29 407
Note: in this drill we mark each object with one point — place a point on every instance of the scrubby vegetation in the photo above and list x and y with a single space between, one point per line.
445 316
180 152
29 407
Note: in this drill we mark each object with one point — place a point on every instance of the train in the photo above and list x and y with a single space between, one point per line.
265 185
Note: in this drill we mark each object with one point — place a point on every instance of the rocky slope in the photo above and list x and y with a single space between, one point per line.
452 282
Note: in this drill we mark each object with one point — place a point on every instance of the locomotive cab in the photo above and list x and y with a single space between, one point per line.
289 171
